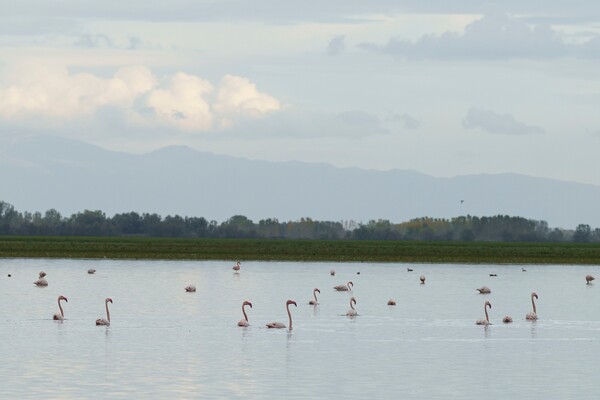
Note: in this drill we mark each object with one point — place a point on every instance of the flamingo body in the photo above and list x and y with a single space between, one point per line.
507 319
236 267
484 290
589 279
91 271
391 302
314 302
344 288
190 288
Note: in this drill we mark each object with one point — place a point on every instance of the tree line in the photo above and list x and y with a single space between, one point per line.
501 228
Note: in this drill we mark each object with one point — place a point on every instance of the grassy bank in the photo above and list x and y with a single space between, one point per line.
299 250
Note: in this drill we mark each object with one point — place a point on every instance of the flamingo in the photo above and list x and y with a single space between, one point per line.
422 278
244 322
41 281
507 319
236 267
484 290
190 288
589 279
352 312
391 302
61 316
344 288
314 302
532 316
102 321
332 272
279 325
91 271
485 321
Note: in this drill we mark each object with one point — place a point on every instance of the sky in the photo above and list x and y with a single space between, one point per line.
441 87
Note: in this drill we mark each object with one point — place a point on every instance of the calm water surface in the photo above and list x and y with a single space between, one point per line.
166 343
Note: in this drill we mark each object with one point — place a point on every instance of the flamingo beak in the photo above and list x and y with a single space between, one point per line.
250 304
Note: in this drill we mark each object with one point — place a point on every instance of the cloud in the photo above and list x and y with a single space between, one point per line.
337 45
500 124
185 102
93 41
404 119
496 35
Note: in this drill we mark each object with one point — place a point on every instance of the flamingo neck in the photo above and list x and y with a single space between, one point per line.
244 312
60 308
533 303
107 312
315 295
351 305
289 315
487 318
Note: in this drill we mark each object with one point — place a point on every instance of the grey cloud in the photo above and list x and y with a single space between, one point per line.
337 45
404 119
495 36
500 124
91 41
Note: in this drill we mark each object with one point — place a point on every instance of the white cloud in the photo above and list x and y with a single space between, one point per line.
501 124
185 102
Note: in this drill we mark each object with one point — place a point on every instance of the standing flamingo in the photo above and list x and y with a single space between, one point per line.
485 321
61 316
589 279
422 278
236 267
41 281
102 321
484 290
190 288
314 302
344 288
279 325
532 316
352 312
244 322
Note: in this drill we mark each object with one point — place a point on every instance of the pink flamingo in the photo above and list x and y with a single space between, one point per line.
41 281
279 325
244 322
91 271
314 302
422 278
507 319
484 290
236 267
391 302
589 279
485 321
61 316
352 312
190 288
102 321
344 288
532 316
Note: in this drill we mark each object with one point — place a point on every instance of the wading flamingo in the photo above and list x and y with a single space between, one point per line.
91 271
589 279
532 316
61 316
344 288
102 321
484 290
422 278
352 312
507 319
314 302
279 325
236 267
391 302
485 321
244 322
332 272
190 288
41 281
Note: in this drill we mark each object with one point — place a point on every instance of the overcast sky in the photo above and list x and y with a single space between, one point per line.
446 88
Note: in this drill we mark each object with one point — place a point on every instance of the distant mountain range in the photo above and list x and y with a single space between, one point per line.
41 172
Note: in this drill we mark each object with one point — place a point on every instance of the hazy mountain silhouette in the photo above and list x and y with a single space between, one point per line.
41 172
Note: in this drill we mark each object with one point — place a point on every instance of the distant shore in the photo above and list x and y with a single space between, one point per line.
299 250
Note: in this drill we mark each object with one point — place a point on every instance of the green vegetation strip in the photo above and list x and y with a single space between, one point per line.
300 250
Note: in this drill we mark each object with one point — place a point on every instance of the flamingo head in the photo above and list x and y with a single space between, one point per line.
247 303
62 298
42 274
108 300
291 302
350 284
534 294
488 304
353 300
317 290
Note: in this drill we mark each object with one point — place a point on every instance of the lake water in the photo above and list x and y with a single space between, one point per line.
166 343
